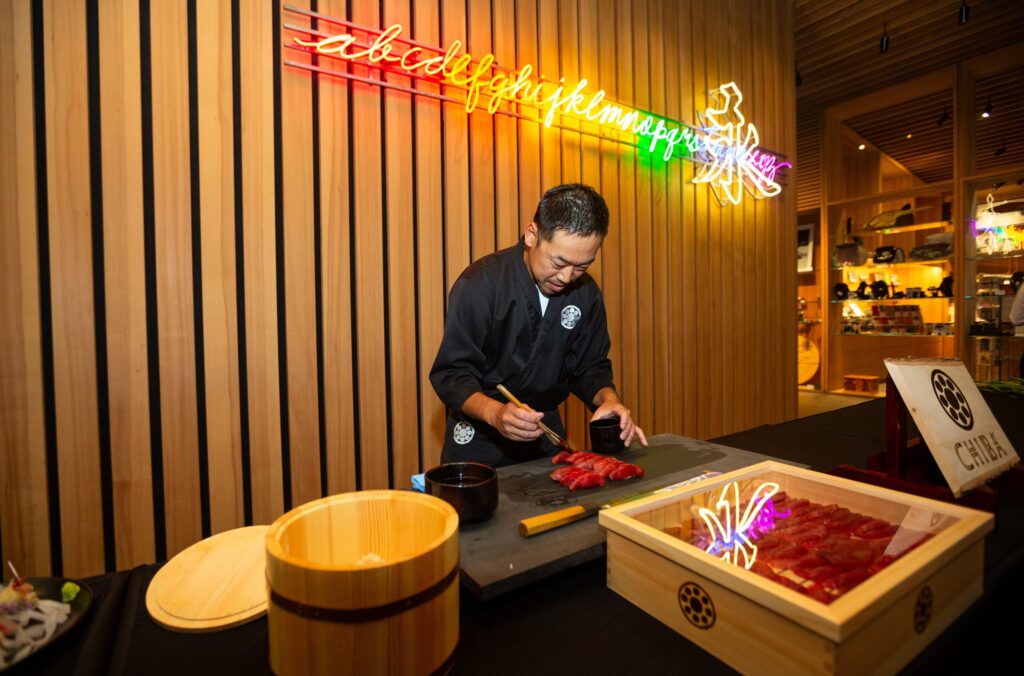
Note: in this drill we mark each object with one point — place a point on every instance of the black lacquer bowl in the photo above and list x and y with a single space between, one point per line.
470 487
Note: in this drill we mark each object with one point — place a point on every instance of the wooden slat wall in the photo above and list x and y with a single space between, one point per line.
226 282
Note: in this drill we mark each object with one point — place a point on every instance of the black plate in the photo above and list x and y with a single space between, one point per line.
49 588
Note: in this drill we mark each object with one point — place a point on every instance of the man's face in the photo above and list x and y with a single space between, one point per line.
558 262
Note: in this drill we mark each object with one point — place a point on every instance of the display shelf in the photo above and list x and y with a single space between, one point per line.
997 256
892 230
1003 336
897 335
905 264
890 300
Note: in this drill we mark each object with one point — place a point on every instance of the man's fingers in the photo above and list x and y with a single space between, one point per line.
530 416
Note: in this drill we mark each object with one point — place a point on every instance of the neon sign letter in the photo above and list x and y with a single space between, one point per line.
725 144
729 540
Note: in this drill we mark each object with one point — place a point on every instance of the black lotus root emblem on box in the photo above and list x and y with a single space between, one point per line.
923 609
952 400
696 605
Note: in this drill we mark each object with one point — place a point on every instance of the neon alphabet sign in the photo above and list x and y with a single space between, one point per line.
731 539
724 145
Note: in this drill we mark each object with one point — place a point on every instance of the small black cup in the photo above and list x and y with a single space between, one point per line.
470 487
604 435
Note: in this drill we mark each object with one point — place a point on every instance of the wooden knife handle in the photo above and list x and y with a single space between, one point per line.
545 522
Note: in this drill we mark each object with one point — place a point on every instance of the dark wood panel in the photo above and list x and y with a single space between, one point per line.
432 291
258 200
299 260
219 270
172 195
336 279
367 186
24 511
71 280
401 229
124 256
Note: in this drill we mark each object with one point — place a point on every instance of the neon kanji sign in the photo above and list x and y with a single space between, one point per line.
724 145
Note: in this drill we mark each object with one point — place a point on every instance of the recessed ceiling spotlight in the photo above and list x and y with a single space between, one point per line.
861 147
988 109
965 13
910 136
883 45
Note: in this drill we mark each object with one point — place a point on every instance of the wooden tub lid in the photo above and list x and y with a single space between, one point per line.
215 584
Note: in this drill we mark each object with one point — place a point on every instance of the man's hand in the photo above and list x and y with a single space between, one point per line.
608 405
511 421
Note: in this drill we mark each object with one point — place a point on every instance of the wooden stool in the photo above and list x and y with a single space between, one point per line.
855 383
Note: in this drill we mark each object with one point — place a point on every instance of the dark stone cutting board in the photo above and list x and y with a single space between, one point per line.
496 559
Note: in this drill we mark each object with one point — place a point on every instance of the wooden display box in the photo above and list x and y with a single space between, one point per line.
758 625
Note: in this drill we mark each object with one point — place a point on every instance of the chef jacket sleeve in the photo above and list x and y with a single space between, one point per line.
590 369
459 366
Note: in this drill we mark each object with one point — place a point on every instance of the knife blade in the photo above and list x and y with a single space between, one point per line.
542 523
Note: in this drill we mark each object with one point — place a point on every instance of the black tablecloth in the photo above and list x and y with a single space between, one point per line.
569 623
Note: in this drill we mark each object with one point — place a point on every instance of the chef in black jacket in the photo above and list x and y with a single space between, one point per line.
529 317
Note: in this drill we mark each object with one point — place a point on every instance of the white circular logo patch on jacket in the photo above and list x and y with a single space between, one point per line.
570 316
463 433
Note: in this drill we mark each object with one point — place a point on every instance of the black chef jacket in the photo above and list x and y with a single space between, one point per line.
495 334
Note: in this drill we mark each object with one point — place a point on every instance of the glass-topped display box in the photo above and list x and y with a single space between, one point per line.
777 568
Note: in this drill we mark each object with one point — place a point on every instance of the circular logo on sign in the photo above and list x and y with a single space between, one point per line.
923 610
570 316
463 433
696 605
952 400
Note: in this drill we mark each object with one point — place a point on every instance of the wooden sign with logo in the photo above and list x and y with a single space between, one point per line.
956 423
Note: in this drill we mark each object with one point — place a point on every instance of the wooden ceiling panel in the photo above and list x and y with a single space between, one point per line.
928 153
837 42
1004 129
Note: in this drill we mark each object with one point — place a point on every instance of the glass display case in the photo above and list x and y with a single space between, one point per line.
994 266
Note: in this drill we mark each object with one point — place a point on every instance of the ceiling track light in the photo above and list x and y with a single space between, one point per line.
883 45
988 109
965 13
943 119
1001 149
799 78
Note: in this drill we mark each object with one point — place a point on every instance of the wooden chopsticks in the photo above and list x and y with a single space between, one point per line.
555 438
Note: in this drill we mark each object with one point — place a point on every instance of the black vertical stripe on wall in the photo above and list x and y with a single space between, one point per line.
243 361
149 246
282 315
386 267
416 254
354 300
318 266
444 184
469 140
494 154
45 292
92 30
518 123
197 273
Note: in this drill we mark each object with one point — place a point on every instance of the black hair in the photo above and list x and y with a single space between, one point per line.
575 208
